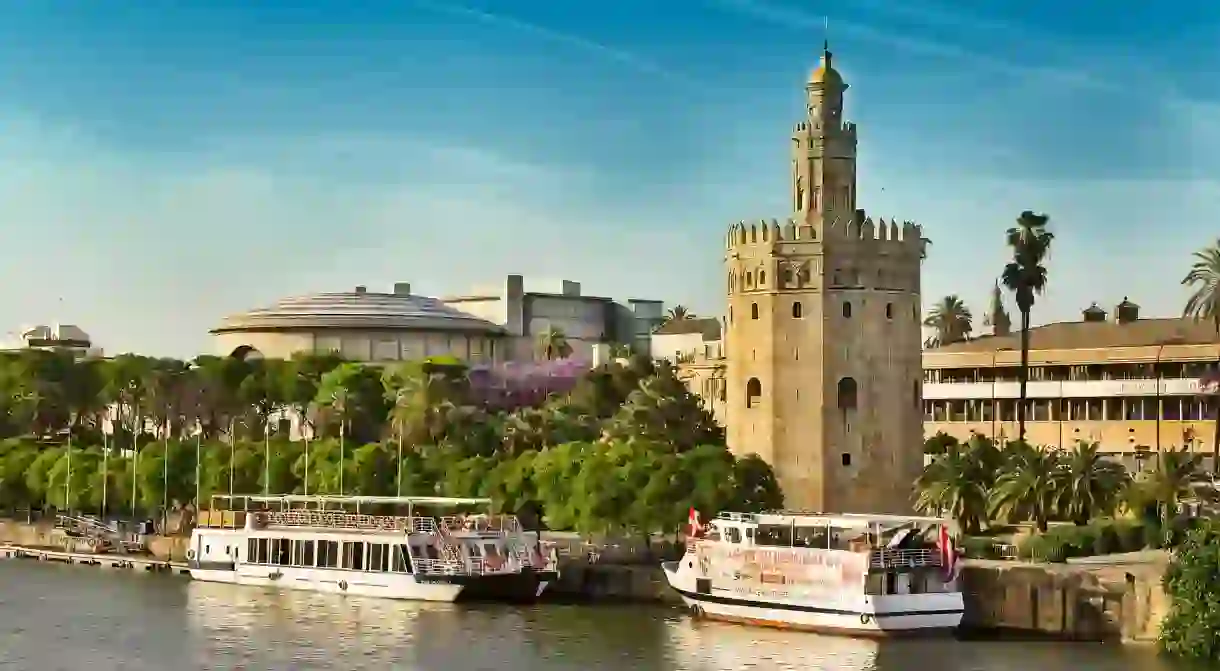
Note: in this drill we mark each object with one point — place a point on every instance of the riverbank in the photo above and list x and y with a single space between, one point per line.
1120 599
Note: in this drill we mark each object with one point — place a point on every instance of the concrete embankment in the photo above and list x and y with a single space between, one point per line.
1102 601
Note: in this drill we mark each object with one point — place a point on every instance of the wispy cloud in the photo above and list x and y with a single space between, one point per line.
798 18
615 54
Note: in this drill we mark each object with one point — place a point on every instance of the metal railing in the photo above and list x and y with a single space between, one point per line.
886 558
482 523
440 567
337 520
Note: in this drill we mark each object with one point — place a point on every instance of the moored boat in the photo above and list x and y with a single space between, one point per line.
858 575
370 545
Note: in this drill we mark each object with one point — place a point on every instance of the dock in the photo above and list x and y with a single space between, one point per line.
119 561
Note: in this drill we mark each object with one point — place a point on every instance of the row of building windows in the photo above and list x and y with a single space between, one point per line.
350 555
1132 408
1078 373
842 279
798 311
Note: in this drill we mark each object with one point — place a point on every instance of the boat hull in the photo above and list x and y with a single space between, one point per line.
849 615
383 585
523 587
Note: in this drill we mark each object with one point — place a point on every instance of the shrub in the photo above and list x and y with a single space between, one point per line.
1192 628
979 547
1106 540
1154 537
1130 534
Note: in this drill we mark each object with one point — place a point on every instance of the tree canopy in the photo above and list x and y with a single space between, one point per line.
621 448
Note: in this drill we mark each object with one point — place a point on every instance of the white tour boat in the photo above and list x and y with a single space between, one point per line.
859 575
369 545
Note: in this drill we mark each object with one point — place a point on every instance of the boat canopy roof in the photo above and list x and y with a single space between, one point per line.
439 501
839 520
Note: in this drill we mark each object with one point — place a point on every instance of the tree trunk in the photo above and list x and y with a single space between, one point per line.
1023 375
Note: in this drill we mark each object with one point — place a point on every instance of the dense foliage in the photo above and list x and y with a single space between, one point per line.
983 486
1192 628
621 448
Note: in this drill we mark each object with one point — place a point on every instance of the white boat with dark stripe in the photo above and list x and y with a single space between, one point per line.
371 546
857 575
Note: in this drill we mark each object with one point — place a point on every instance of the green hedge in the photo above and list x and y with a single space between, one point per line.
1102 537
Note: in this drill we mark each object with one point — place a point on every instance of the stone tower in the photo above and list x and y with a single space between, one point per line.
823 330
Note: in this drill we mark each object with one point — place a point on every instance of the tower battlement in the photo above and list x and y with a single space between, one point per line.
883 236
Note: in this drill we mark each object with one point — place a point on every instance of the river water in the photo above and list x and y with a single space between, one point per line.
70 618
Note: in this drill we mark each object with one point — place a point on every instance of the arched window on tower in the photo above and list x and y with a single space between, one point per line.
749 280
762 277
789 277
753 392
889 310
847 394
753 310
796 310
847 309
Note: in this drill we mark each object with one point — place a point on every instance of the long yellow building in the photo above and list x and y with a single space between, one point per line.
1130 384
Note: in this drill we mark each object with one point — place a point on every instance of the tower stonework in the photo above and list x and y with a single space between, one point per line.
823 330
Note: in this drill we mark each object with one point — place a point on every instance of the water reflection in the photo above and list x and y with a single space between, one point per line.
69 618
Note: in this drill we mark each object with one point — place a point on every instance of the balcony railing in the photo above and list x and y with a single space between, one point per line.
887 559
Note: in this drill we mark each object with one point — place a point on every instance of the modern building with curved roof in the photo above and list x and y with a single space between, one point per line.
362 326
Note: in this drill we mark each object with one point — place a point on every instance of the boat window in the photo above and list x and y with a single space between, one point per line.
283 552
262 553
307 553
353 555
379 557
328 554
732 534
401 561
474 550
874 584
777 535
491 550
749 534
431 551
811 537
207 549
252 550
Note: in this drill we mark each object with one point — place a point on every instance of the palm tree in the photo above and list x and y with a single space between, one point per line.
1025 276
553 344
1029 486
956 483
1093 484
1204 304
678 313
950 320
1176 470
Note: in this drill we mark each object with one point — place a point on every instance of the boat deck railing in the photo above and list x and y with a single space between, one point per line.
904 558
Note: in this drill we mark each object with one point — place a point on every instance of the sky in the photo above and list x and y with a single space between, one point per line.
163 164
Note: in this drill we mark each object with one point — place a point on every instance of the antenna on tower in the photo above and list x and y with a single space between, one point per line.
825 33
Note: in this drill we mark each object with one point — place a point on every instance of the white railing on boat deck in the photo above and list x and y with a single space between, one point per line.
326 519
440 567
482 523
904 558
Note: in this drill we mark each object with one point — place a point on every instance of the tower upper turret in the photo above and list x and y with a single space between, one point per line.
825 88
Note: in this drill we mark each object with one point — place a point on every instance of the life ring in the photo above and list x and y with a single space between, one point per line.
190 555
865 619
343 585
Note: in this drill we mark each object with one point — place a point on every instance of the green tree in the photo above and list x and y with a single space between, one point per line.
1092 485
1026 277
1192 581
553 344
1029 486
1204 305
950 321
958 483
662 410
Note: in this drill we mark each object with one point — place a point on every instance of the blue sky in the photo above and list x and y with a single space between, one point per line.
165 163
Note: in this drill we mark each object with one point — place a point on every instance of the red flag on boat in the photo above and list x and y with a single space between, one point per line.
948 553
695 528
